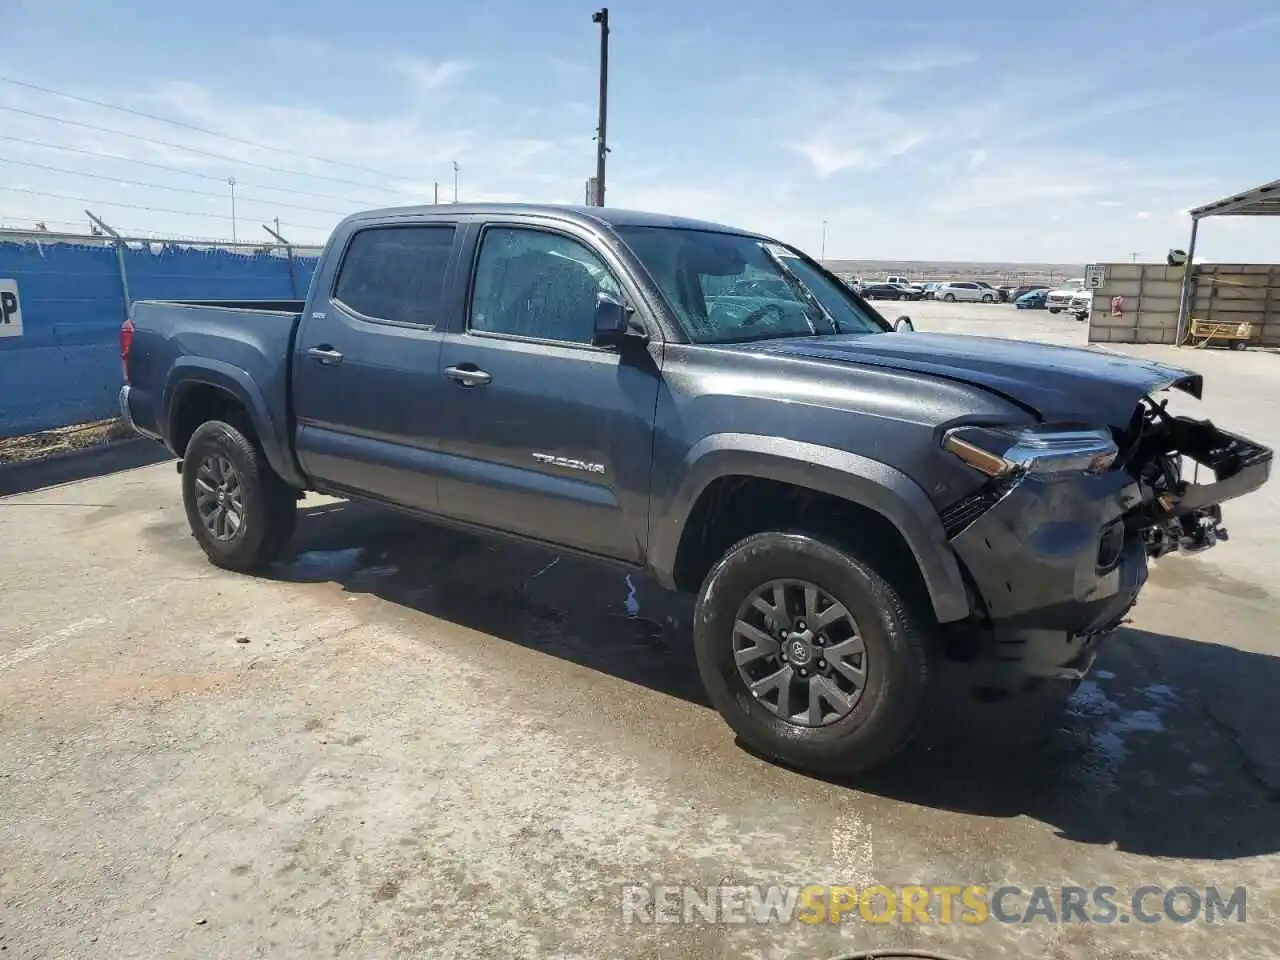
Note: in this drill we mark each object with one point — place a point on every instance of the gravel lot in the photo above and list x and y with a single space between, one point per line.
407 743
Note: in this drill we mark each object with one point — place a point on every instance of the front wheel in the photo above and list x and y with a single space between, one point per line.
987 298
809 654
240 511
1055 309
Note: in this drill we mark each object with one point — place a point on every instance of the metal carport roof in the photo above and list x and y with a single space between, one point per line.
1263 201
1259 202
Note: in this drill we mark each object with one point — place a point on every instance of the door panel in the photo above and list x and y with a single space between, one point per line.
557 445
367 392
547 436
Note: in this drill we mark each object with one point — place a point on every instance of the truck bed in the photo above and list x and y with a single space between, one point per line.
244 347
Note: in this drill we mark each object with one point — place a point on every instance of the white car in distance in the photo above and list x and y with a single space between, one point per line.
1060 298
963 290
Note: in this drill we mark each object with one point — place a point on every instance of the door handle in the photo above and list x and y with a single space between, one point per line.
467 375
324 354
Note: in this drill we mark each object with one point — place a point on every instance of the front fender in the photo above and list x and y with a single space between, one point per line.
858 479
189 370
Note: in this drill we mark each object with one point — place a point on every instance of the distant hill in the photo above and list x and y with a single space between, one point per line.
922 270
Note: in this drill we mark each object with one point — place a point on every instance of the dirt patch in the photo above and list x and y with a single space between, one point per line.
36 446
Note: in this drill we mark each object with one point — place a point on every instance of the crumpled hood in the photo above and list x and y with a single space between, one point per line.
1059 383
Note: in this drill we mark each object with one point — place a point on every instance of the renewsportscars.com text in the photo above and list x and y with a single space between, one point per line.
937 904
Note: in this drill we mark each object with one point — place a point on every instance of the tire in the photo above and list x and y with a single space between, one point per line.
268 505
892 701
987 298
1055 309
949 297
1239 345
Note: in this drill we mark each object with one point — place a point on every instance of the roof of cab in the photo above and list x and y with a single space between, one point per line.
587 215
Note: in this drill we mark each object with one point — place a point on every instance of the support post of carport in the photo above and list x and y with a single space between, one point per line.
1188 287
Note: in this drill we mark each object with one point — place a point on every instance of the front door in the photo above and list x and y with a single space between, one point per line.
547 436
367 390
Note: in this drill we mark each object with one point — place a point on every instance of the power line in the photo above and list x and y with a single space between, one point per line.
189 173
161 186
190 126
135 206
204 153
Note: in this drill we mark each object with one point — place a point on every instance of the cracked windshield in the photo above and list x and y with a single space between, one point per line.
661 481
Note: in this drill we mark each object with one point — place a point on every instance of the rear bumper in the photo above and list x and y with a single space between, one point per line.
137 413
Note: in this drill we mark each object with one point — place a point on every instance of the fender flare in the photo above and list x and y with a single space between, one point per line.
849 476
188 371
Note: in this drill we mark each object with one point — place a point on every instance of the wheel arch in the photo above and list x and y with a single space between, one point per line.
199 389
862 483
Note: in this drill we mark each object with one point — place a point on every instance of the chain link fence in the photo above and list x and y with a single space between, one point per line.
63 298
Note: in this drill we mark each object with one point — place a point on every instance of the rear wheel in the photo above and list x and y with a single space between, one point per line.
1055 309
809 654
949 297
240 511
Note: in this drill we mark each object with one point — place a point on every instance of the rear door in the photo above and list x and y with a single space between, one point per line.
548 436
367 392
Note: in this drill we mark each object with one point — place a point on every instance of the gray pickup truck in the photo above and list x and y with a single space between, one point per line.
855 505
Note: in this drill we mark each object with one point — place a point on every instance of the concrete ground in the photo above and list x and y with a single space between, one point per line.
408 743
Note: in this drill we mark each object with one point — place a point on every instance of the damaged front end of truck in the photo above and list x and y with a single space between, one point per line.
1056 543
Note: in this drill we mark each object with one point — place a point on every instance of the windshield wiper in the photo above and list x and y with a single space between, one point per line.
798 287
779 335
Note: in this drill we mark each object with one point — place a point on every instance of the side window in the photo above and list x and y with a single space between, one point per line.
395 273
531 283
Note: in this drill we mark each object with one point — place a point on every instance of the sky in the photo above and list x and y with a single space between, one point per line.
982 131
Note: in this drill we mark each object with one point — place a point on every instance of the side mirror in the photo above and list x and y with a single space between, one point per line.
903 325
613 324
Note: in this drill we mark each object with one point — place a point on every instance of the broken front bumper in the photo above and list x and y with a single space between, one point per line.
1055 562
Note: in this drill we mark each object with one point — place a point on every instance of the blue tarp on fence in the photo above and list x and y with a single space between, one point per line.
65 367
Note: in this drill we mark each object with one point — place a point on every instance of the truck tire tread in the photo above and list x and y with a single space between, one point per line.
270 507
897 635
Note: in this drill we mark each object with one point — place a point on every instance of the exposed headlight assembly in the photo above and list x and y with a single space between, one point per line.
1042 449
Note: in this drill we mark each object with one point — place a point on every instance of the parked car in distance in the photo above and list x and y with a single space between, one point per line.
964 290
888 291
995 292
927 289
899 280
1027 288
1006 293
856 509
1081 305
1031 300
1059 298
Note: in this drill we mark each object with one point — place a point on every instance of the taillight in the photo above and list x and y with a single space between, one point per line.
126 341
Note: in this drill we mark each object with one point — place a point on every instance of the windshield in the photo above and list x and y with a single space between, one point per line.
728 288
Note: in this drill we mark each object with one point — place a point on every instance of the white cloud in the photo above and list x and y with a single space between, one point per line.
922 61
432 76
1142 215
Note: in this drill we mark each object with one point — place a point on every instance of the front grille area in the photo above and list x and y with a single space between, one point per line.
957 517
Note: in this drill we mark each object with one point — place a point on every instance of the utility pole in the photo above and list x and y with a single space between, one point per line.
435 197
602 145
823 256
231 182
455 181
1133 257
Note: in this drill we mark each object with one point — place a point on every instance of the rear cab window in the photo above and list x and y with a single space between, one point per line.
395 274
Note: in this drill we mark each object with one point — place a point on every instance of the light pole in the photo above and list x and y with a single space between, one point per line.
455 181
602 148
823 257
231 182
